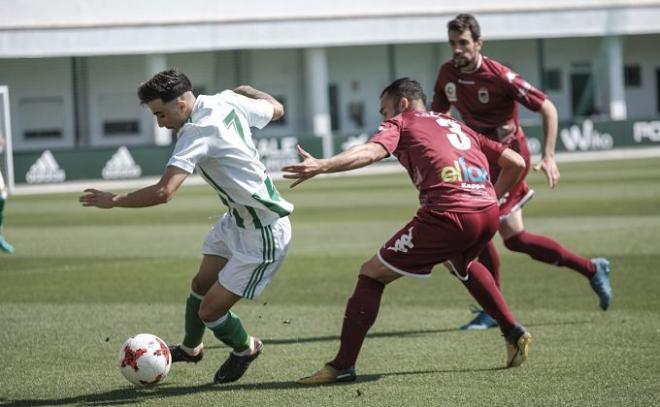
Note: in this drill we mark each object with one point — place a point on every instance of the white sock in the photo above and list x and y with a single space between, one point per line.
249 350
193 351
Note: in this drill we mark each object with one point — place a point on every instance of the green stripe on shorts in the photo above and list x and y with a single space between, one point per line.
268 258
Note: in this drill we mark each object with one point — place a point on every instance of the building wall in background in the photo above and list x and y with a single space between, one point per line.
643 51
359 73
278 72
37 28
41 89
519 55
112 84
41 101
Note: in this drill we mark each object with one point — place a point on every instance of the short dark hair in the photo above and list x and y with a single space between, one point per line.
165 85
463 22
404 87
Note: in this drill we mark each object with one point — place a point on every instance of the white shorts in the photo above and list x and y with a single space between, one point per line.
254 254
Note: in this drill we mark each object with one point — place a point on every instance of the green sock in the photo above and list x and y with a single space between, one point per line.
231 333
194 326
2 211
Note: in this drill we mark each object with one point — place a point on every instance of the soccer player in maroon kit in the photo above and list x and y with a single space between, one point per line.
458 215
487 94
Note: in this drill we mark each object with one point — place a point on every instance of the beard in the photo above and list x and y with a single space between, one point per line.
461 61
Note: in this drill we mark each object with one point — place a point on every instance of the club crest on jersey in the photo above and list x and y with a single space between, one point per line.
484 97
450 91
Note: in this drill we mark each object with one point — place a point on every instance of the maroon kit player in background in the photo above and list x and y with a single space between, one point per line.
487 94
458 215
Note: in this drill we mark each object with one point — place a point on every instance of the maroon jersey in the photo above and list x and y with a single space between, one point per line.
486 98
447 161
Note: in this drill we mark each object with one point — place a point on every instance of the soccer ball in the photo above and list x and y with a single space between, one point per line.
144 360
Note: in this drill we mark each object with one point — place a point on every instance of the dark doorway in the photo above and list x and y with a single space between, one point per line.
582 94
333 96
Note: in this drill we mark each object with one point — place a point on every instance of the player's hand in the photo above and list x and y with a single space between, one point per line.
308 168
549 167
99 199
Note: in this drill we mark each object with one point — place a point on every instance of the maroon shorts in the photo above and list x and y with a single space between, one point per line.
520 193
431 238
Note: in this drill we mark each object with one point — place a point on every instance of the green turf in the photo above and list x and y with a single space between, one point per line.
83 280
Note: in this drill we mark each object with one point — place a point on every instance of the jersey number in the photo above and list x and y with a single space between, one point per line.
456 137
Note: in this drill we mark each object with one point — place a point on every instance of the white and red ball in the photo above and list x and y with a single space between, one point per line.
144 360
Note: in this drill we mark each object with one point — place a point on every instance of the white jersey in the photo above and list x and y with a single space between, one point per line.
217 141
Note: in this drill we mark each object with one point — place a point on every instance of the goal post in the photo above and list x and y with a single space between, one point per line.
6 151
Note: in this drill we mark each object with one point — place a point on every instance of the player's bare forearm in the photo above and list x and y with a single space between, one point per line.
149 196
152 195
550 123
550 119
252 93
512 165
355 157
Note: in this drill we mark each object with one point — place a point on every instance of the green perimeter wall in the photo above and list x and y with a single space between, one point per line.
52 166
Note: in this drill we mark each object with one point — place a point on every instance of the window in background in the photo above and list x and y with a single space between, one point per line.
119 115
632 75
42 117
552 80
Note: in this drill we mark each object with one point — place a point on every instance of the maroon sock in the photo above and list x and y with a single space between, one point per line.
491 260
549 251
361 312
483 288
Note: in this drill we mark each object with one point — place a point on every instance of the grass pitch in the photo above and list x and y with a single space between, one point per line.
83 280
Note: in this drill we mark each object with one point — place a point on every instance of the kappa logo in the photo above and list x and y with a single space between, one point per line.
121 165
403 243
45 170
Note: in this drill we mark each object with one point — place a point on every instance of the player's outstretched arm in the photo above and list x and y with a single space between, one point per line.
354 157
252 93
548 164
152 195
512 165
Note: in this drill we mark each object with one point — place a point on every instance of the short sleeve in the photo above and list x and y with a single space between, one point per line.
257 112
523 92
389 133
188 151
440 103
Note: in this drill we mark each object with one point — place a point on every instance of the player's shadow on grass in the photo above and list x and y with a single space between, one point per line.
132 396
394 334
390 334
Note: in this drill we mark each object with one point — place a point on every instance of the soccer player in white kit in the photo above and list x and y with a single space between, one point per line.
248 244
4 245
